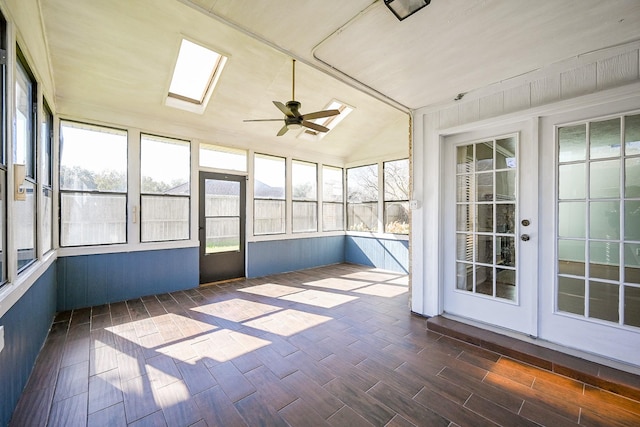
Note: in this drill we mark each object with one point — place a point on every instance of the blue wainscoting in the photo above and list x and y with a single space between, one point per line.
388 254
26 326
88 280
281 256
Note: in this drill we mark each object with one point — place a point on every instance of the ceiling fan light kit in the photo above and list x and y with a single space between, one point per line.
291 110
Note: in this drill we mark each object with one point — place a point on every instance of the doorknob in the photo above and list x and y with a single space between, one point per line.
525 237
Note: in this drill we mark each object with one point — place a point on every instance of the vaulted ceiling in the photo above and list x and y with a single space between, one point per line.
112 60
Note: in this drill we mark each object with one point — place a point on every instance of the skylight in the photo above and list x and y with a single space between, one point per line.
196 73
329 122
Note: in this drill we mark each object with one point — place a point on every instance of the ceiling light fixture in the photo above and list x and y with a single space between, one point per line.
403 9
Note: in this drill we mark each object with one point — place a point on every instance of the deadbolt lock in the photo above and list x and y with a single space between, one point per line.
525 222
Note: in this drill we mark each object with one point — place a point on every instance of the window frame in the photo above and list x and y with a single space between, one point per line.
62 191
340 203
283 199
31 176
374 202
186 195
386 201
302 200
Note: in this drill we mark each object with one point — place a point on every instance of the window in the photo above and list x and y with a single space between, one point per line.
332 199
195 75
93 185
362 198
165 170
46 179
598 220
212 156
396 196
304 178
24 154
269 208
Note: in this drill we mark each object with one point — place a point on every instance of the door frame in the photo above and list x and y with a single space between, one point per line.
526 306
203 175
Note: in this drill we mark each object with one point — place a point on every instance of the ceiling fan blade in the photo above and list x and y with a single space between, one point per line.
287 112
314 126
283 130
320 114
263 120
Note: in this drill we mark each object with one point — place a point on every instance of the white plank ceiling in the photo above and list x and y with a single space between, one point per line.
111 61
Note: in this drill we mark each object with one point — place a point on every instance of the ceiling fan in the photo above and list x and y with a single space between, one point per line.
292 117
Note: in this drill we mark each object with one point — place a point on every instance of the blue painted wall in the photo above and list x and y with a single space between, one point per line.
281 256
387 254
26 326
89 280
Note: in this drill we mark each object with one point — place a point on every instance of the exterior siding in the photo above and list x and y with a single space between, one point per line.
387 254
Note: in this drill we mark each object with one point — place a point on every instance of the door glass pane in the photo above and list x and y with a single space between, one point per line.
632 135
485 187
571 181
632 263
484 156
484 218
631 306
506 185
464 276
572 142
464 247
571 219
506 283
605 139
632 177
632 220
604 260
464 159
605 179
603 301
571 295
604 220
465 188
222 234
571 257
505 251
484 280
484 249
222 214
505 218
506 153
487 222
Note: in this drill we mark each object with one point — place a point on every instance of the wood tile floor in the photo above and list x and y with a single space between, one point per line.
332 346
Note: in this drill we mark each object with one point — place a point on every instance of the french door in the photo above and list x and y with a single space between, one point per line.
490 226
591 295
222 226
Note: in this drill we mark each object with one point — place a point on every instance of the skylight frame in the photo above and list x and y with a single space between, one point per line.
185 100
329 122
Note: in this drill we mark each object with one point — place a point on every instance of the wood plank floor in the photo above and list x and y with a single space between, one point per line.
332 346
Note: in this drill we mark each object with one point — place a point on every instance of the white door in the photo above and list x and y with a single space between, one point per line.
490 226
590 293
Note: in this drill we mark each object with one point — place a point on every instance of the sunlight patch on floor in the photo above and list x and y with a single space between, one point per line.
319 298
287 322
380 290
